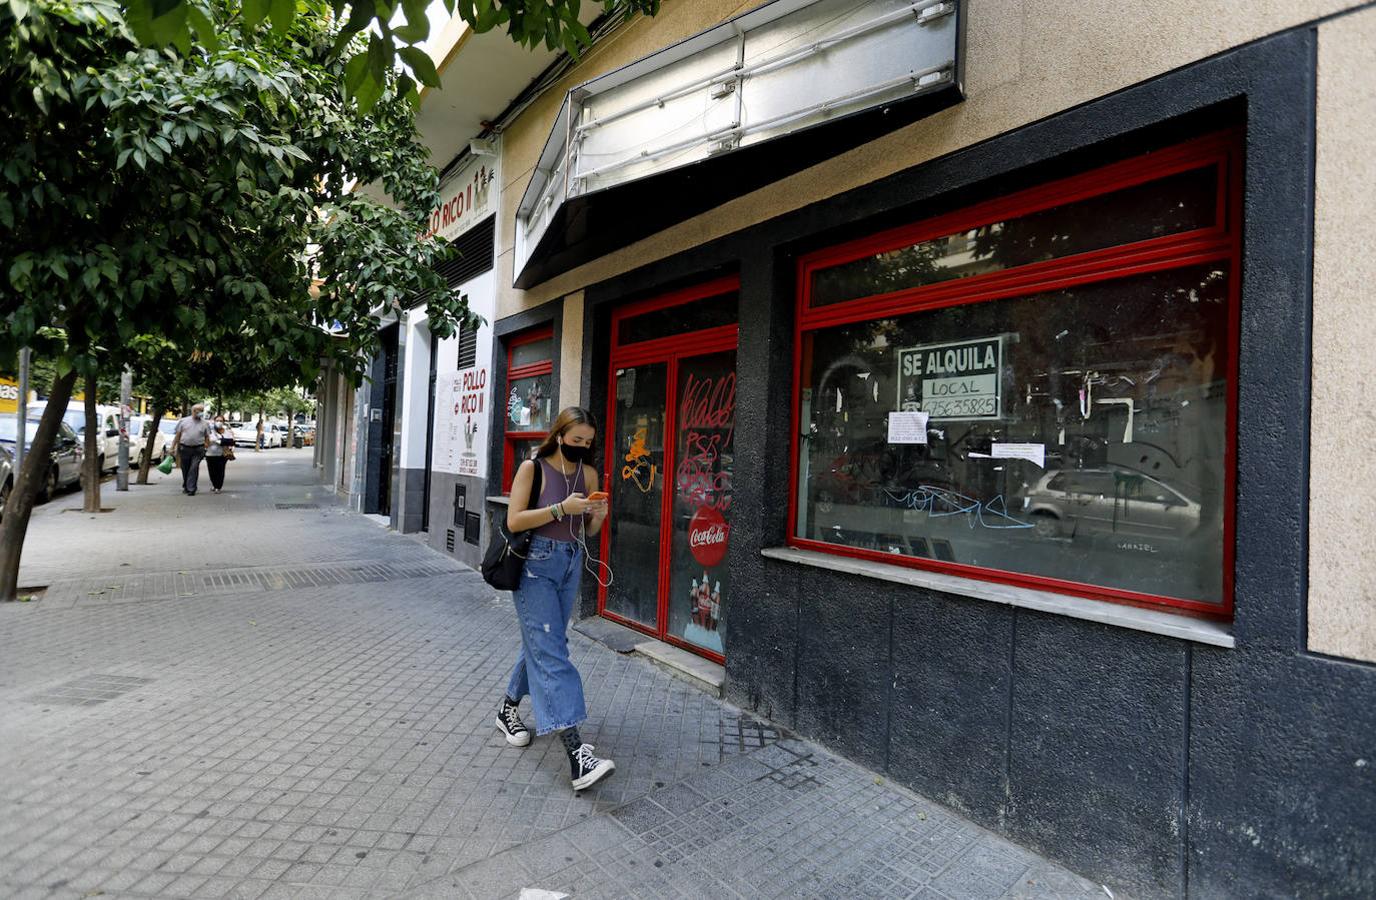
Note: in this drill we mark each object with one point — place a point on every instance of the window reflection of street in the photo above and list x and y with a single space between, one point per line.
1120 382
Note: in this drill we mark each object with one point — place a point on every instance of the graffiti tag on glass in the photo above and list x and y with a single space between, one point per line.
708 408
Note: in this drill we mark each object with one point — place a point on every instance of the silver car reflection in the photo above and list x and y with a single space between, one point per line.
1112 500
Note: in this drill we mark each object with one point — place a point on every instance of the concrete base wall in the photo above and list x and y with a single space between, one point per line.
449 526
410 500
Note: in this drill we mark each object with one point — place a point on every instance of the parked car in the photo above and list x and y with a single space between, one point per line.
168 429
1112 500
6 477
64 467
107 441
138 440
246 435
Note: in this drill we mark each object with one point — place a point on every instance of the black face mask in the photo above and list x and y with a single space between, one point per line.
576 454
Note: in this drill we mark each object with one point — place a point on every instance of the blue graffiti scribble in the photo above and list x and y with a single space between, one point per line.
937 502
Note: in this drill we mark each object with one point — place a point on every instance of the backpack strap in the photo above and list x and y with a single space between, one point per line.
535 485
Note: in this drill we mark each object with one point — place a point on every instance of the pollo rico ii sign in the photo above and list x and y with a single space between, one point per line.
466 199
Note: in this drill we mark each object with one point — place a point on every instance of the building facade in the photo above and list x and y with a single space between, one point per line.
974 415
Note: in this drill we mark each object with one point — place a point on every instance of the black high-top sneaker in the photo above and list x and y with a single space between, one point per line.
586 769
511 726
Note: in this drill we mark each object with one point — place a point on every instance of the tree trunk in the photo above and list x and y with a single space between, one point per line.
95 439
154 420
36 462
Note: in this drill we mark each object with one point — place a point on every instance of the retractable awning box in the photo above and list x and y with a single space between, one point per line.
726 111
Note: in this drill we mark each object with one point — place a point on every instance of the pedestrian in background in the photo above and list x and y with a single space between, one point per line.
566 513
258 445
189 444
219 452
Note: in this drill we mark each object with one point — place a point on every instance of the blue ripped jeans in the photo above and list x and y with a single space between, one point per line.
544 604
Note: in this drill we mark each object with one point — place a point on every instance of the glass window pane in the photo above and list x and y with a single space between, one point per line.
1095 452
528 404
699 581
711 312
637 492
521 449
533 352
1182 202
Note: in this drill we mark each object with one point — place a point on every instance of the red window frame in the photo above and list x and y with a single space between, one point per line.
1219 242
543 367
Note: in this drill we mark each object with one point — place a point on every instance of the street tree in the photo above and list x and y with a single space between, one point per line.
174 196
394 27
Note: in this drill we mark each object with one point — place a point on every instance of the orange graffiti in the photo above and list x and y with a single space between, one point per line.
638 458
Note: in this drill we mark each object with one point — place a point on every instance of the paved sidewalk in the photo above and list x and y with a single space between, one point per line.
259 694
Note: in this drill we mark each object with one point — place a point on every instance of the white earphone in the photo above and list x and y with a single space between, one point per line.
581 536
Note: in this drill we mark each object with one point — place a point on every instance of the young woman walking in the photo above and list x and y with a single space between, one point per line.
563 518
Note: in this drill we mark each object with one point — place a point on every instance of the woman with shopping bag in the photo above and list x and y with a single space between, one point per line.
218 452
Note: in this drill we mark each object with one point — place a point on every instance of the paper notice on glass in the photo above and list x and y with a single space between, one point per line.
1033 453
908 428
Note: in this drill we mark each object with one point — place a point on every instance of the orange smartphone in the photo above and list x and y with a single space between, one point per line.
598 495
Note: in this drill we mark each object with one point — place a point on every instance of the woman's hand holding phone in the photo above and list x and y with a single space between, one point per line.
599 511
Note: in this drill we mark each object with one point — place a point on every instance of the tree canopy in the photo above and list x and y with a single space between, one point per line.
199 201
146 192
394 28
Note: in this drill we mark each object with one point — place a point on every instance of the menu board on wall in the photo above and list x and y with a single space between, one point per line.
463 386
463 397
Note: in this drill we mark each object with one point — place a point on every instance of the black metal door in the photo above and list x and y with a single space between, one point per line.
429 433
389 410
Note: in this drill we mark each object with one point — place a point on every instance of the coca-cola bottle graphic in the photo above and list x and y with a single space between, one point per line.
716 605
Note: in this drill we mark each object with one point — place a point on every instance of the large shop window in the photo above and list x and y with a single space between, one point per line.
1038 390
529 397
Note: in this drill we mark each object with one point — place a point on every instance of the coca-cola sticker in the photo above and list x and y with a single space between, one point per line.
707 534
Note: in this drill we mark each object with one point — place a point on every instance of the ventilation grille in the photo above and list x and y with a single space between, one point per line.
449 540
474 257
90 690
468 348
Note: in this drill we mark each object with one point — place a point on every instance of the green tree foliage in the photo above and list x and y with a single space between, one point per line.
172 196
393 27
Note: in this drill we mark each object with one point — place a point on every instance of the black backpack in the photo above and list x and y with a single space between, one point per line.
506 553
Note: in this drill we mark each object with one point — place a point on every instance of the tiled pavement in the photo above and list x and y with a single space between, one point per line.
220 697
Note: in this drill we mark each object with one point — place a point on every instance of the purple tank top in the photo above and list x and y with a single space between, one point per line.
554 487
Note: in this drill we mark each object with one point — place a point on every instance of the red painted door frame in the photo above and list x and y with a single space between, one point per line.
670 351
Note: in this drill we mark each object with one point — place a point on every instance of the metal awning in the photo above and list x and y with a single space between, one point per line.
724 112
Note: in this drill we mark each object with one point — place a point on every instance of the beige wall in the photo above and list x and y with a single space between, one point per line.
1342 475
1029 59
571 351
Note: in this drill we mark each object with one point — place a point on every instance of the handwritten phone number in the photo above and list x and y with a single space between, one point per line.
961 407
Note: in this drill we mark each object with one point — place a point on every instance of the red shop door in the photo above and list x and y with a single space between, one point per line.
670 429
